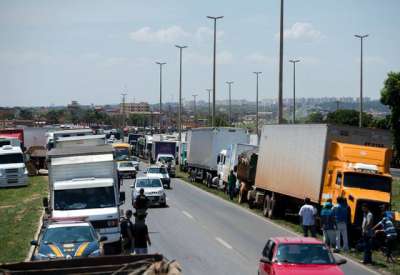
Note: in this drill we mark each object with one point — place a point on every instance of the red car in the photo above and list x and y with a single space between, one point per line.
300 256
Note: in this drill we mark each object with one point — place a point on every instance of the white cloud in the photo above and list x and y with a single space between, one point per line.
258 58
203 34
223 58
301 31
168 35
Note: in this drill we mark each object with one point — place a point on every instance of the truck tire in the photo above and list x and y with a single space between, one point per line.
272 207
266 205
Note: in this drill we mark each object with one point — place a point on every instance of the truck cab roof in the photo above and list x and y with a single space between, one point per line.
83 183
8 149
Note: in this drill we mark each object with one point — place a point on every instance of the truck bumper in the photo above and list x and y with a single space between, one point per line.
11 181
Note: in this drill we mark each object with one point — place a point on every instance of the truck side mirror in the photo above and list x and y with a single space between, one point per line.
121 198
103 239
45 202
34 242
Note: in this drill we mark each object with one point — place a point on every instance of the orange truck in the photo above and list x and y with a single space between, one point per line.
322 162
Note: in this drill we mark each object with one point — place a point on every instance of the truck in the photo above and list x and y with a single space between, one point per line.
246 172
228 159
86 140
53 136
133 142
322 162
13 171
14 133
83 183
162 147
203 147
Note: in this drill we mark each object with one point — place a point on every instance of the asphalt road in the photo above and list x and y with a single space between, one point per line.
209 235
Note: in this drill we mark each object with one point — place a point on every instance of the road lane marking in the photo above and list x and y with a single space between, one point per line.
187 215
221 241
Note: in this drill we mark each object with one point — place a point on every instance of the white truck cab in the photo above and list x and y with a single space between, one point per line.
168 161
13 171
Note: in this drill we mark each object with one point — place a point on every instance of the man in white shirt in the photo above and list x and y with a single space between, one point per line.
307 213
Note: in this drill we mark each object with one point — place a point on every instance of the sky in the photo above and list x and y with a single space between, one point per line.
52 52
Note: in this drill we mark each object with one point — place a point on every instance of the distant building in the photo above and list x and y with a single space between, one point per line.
73 106
140 107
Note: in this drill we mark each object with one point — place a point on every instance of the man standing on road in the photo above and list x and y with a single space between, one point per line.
328 224
340 212
127 233
141 236
231 185
141 204
307 213
367 234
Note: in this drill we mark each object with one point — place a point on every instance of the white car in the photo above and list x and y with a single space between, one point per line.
159 172
153 190
126 170
136 162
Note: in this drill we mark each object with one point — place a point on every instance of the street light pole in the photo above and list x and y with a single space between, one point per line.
194 110
361 37
294 61
280 93
209 106
257 73
230 101
161 64
214 63
180 91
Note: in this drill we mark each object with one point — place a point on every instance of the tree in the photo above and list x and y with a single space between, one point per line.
221 121
26 114
349 117
390 96
381 123
54 116
315 117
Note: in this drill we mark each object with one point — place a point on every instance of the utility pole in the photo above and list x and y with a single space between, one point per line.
180 91
161 64
257 73
214 64
123 109
194 110
294 61
230 102
361 37
280 93
209 106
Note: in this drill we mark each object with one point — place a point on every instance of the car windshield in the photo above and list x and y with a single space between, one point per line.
126 164
69 234
134 159
304 254
11 158
367 181
85 198
121 153
157 170
165 159
143 183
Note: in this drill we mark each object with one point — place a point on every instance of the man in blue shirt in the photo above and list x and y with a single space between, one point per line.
328 224
386 226
341 218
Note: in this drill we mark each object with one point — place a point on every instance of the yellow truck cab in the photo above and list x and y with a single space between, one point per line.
361 175
121 151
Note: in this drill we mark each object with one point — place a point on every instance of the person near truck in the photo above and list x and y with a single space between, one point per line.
341 218
127 233
231 185
366 231
307 213
328 224
141 236
141 205
386 227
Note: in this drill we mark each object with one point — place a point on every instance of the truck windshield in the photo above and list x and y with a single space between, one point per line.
84 198
121 153
367 181
11 158
165 159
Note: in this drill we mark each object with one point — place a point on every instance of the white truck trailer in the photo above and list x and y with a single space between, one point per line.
204 145
83 183
13 171
86 140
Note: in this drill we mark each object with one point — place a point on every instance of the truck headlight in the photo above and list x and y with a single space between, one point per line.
26 171
112 223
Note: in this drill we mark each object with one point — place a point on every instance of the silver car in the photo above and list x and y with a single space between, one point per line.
153 190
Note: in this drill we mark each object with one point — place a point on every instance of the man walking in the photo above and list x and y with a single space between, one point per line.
141 236
127 233
307 213
367 234
141 204
328 224
341 217
231 185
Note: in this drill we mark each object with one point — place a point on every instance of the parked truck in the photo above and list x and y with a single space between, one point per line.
13 171
86 140
204 145
322 162
246 172
83 183
228 159
14 133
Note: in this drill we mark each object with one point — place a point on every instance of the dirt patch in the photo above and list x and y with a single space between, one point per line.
6 206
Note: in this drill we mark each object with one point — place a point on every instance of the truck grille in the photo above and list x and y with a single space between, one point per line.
104 223
12 171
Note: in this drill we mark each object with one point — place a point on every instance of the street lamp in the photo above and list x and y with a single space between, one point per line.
180 91
161 64
214 61
361 37
230 101
194 110
294 61
209 106
280 93
257 73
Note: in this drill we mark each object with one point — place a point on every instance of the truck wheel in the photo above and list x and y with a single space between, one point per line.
266 205
272 207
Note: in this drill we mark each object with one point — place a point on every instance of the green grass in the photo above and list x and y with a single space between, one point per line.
379 260
20 210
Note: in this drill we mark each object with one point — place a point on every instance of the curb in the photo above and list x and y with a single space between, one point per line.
32 247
